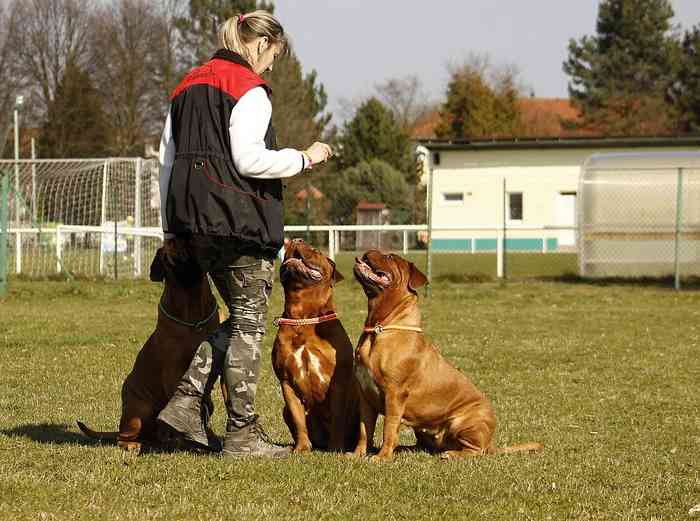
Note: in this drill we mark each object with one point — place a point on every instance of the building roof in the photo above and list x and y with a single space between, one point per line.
364 205
315 194
564 142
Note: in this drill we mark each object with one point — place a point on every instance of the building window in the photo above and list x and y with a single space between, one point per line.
515 206
453 198
436 158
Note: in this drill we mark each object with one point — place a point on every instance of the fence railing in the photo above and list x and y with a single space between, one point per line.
118 249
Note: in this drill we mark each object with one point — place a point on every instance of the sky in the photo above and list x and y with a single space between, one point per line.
356 44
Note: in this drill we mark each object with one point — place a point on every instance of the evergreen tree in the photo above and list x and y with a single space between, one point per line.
475 109
686 90
374 134
199 30
298 104
373 181
75 125
620 77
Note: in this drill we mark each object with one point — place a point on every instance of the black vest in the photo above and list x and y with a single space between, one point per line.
206 194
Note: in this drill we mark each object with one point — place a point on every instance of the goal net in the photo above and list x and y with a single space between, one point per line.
89 217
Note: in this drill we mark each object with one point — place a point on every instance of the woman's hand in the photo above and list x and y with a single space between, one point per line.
318 153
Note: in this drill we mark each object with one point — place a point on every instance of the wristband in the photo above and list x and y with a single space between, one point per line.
308 159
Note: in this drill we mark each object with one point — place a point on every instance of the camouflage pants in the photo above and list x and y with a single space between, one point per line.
233 349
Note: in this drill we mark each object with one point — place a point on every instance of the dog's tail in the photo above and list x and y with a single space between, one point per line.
521 447
105 436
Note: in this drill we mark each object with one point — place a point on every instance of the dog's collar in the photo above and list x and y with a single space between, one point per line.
280 321
380 328
198 325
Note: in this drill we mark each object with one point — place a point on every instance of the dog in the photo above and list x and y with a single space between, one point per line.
404 377
312 355
187 312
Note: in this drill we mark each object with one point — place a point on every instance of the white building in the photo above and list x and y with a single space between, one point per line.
527 183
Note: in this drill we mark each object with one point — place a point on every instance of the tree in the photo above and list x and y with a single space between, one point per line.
124 71
53 33
685 93
75 125
374 134
199 29
481 102
406 99
620 77
9 74
373 181
298 117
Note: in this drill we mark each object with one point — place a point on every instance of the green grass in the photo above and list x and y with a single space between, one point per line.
606 376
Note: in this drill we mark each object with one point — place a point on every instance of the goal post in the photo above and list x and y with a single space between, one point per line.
4 235
93 217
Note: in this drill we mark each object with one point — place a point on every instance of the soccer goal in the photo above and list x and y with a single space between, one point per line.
90 216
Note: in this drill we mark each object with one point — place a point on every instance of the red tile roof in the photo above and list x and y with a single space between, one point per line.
364 205
542 118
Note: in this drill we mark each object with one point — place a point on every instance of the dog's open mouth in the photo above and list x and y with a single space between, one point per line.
296 263
377 276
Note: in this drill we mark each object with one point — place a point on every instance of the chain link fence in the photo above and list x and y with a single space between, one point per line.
640 220
102 218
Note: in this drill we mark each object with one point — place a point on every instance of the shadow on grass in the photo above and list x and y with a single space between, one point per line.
660 282
61 434
53 433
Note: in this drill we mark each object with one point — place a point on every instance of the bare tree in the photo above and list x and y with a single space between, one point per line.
9 75
406 98
170 51
53 33
130 46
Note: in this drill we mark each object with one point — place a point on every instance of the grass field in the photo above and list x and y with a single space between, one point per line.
605 375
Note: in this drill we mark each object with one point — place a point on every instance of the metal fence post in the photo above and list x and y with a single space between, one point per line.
59 250
138 218
679 218
331 244
114 214
429 211
501 239
103 218
4 234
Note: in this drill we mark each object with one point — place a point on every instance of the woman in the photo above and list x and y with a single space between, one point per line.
222 194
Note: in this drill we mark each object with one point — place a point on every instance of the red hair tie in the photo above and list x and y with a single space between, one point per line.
241 18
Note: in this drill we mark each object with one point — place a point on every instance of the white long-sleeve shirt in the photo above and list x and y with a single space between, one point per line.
248 125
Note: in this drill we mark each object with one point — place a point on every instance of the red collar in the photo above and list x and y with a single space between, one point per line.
279 321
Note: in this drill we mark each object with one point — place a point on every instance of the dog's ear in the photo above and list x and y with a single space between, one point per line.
416 278
187 272
157 267
337 276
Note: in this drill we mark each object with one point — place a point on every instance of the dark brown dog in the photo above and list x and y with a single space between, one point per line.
186 314
403 376
314 360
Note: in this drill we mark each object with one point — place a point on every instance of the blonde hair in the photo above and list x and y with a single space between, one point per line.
240 30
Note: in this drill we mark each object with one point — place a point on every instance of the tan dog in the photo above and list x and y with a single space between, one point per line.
403 376
313 357
186 314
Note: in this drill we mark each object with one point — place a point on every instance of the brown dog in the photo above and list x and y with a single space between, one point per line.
403 376
186 314
313 357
